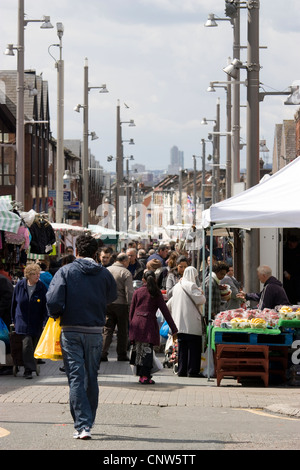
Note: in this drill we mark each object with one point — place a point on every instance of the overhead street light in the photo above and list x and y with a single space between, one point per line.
102 88
232 12
233 68
94 135
213 85
119 160
292 92
216 143
212 20
205 121
20 138
85 158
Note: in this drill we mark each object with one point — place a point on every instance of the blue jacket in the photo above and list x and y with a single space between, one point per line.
29 316
46 278
79 293
157 256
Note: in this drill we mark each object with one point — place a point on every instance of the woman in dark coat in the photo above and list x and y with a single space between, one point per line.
143 325
29 314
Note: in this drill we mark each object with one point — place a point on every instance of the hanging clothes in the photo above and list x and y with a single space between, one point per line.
20 238
42 236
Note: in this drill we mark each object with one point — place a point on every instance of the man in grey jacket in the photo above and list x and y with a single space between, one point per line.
117 313
78 294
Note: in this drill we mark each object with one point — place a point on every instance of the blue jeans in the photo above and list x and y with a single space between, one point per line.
82 355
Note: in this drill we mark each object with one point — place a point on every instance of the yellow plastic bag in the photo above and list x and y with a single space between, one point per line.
48 346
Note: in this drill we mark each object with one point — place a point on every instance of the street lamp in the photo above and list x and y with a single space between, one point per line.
93 135
212 19
216 146
20 138
227 88
171 191
232 69
119 160
85 159
252 255
131 157
232 12
59 214
205 121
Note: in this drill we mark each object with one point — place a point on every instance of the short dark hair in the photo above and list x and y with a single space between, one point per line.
162 247
182 259
106 249
220 266
67 259
86 245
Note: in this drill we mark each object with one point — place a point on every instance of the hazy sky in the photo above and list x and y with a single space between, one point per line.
158 58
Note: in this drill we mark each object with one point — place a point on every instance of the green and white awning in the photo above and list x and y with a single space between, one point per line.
9 221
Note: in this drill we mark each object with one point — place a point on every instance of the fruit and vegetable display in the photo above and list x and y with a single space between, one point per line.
254 318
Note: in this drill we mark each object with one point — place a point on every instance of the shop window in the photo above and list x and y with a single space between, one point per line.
7 161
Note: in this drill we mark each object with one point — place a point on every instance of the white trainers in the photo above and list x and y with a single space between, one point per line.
84 434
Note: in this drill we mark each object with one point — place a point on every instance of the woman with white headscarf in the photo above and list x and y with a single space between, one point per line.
185 306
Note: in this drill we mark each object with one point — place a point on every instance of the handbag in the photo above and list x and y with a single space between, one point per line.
4 333
48 346
202 318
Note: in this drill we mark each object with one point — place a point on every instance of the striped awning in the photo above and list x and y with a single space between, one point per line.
9 221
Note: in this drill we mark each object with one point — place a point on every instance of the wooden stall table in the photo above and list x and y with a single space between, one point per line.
249 352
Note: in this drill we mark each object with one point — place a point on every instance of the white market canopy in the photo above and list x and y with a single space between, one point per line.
102 232
274 202
62 227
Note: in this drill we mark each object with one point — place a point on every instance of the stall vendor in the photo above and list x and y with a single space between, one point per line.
272 294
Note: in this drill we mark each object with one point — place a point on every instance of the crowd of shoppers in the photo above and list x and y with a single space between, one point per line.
96 292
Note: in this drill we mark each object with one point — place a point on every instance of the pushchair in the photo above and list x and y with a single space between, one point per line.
171 354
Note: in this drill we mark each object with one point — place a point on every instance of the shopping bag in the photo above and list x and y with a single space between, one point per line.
156 365
4 333
207 368
164 330
48 346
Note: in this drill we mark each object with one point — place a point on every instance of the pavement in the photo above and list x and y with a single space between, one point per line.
119 386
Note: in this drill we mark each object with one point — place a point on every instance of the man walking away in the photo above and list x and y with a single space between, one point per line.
79 294
117 313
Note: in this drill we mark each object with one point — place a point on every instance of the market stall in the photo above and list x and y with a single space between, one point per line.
14 235
246 331
107 236
29 236
271 203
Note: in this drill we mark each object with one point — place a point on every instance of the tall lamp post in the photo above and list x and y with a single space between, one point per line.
119 162
232 11
252 178
127 188
227 87
20 136
59 214
216 146
85 159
